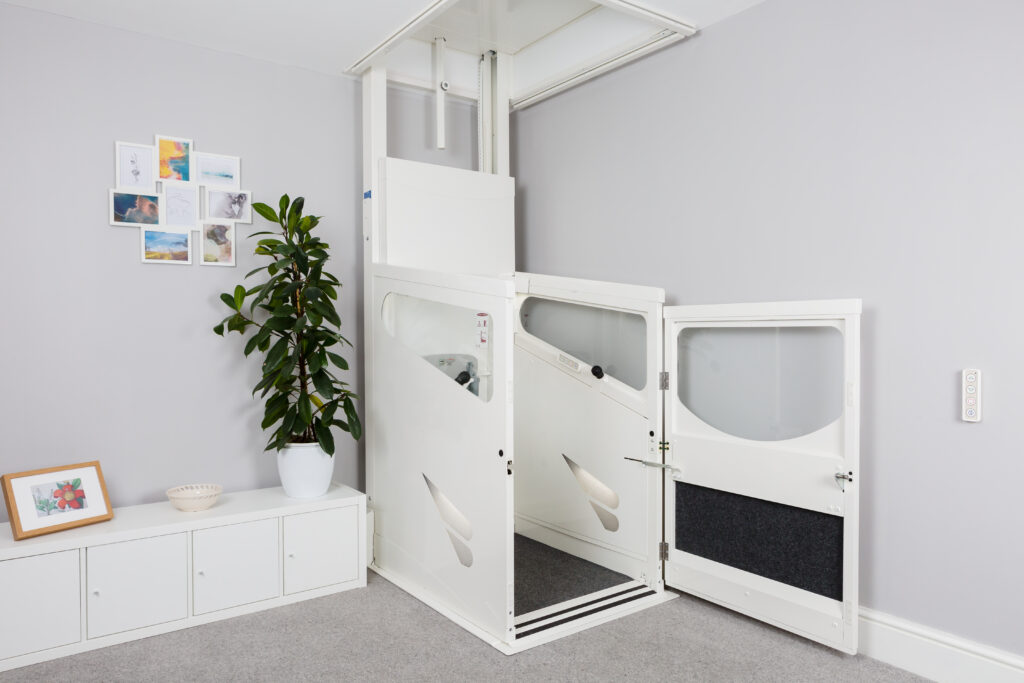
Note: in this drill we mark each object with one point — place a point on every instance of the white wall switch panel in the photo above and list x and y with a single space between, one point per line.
970 395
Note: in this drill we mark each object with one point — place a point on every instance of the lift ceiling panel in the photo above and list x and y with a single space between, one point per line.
555 44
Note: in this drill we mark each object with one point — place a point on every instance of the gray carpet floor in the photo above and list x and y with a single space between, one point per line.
545 576
381 633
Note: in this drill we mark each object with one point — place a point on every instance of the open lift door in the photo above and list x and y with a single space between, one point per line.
762 432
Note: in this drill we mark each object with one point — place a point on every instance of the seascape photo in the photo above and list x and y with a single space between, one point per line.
217 170
175 159
159 246
128 208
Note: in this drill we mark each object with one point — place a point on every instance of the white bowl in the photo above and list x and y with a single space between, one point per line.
194 497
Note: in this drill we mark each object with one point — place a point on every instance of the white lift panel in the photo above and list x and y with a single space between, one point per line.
762 422
441 467
448 219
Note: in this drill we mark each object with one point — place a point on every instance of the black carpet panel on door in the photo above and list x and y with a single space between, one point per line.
792 545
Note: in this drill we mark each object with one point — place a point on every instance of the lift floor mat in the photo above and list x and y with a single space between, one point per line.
545 576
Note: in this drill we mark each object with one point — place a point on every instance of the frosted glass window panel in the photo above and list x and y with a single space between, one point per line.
615 340
453 339
762 383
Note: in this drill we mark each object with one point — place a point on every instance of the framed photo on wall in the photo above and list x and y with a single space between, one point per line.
228 205
181 206
218 243
171 247
135 209
174 159
55 498
135 167
218 170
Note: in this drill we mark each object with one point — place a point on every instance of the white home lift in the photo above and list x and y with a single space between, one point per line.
545 454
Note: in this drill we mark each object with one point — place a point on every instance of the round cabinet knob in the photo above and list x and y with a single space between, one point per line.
291 556
597 371
201 573
96 593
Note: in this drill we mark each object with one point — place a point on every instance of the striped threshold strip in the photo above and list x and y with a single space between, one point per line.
606 602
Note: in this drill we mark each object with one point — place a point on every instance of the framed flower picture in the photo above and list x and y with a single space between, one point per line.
56 498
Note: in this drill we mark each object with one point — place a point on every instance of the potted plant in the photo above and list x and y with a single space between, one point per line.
292 320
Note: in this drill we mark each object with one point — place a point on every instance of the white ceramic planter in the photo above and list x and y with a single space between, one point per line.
305 470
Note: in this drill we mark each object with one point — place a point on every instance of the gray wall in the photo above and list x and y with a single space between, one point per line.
824 148
102 357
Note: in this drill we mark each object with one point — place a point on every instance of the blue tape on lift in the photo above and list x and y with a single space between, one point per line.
366 195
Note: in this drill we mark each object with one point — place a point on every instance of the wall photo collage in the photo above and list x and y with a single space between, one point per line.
168 190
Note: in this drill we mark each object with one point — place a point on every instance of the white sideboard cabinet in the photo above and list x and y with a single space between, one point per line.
154 569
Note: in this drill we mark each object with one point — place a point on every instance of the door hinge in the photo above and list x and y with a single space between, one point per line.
663 381
663 551
663 446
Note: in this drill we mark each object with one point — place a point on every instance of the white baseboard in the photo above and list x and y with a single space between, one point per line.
935 654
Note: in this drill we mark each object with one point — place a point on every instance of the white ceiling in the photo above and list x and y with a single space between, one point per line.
322 35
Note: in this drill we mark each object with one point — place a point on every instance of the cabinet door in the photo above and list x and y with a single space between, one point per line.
321 548
235 565
136 583
40 603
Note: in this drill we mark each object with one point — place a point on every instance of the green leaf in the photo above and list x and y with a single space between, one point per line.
322 382
219 329
265 211
301 260
312 293
75 483
228 301
267 381
273 415
278 324
338 360
284 209
236 323
289 420
324 437
239 297
305 410
353 419
315 362
277 353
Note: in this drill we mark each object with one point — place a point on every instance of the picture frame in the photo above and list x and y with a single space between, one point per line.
55 498
135 167
217 243
174 159
228 205
181 206
218 170
136 209
165 246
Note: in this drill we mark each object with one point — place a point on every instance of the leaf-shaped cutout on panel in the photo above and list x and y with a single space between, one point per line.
461 549
593 486
450 514
608 520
